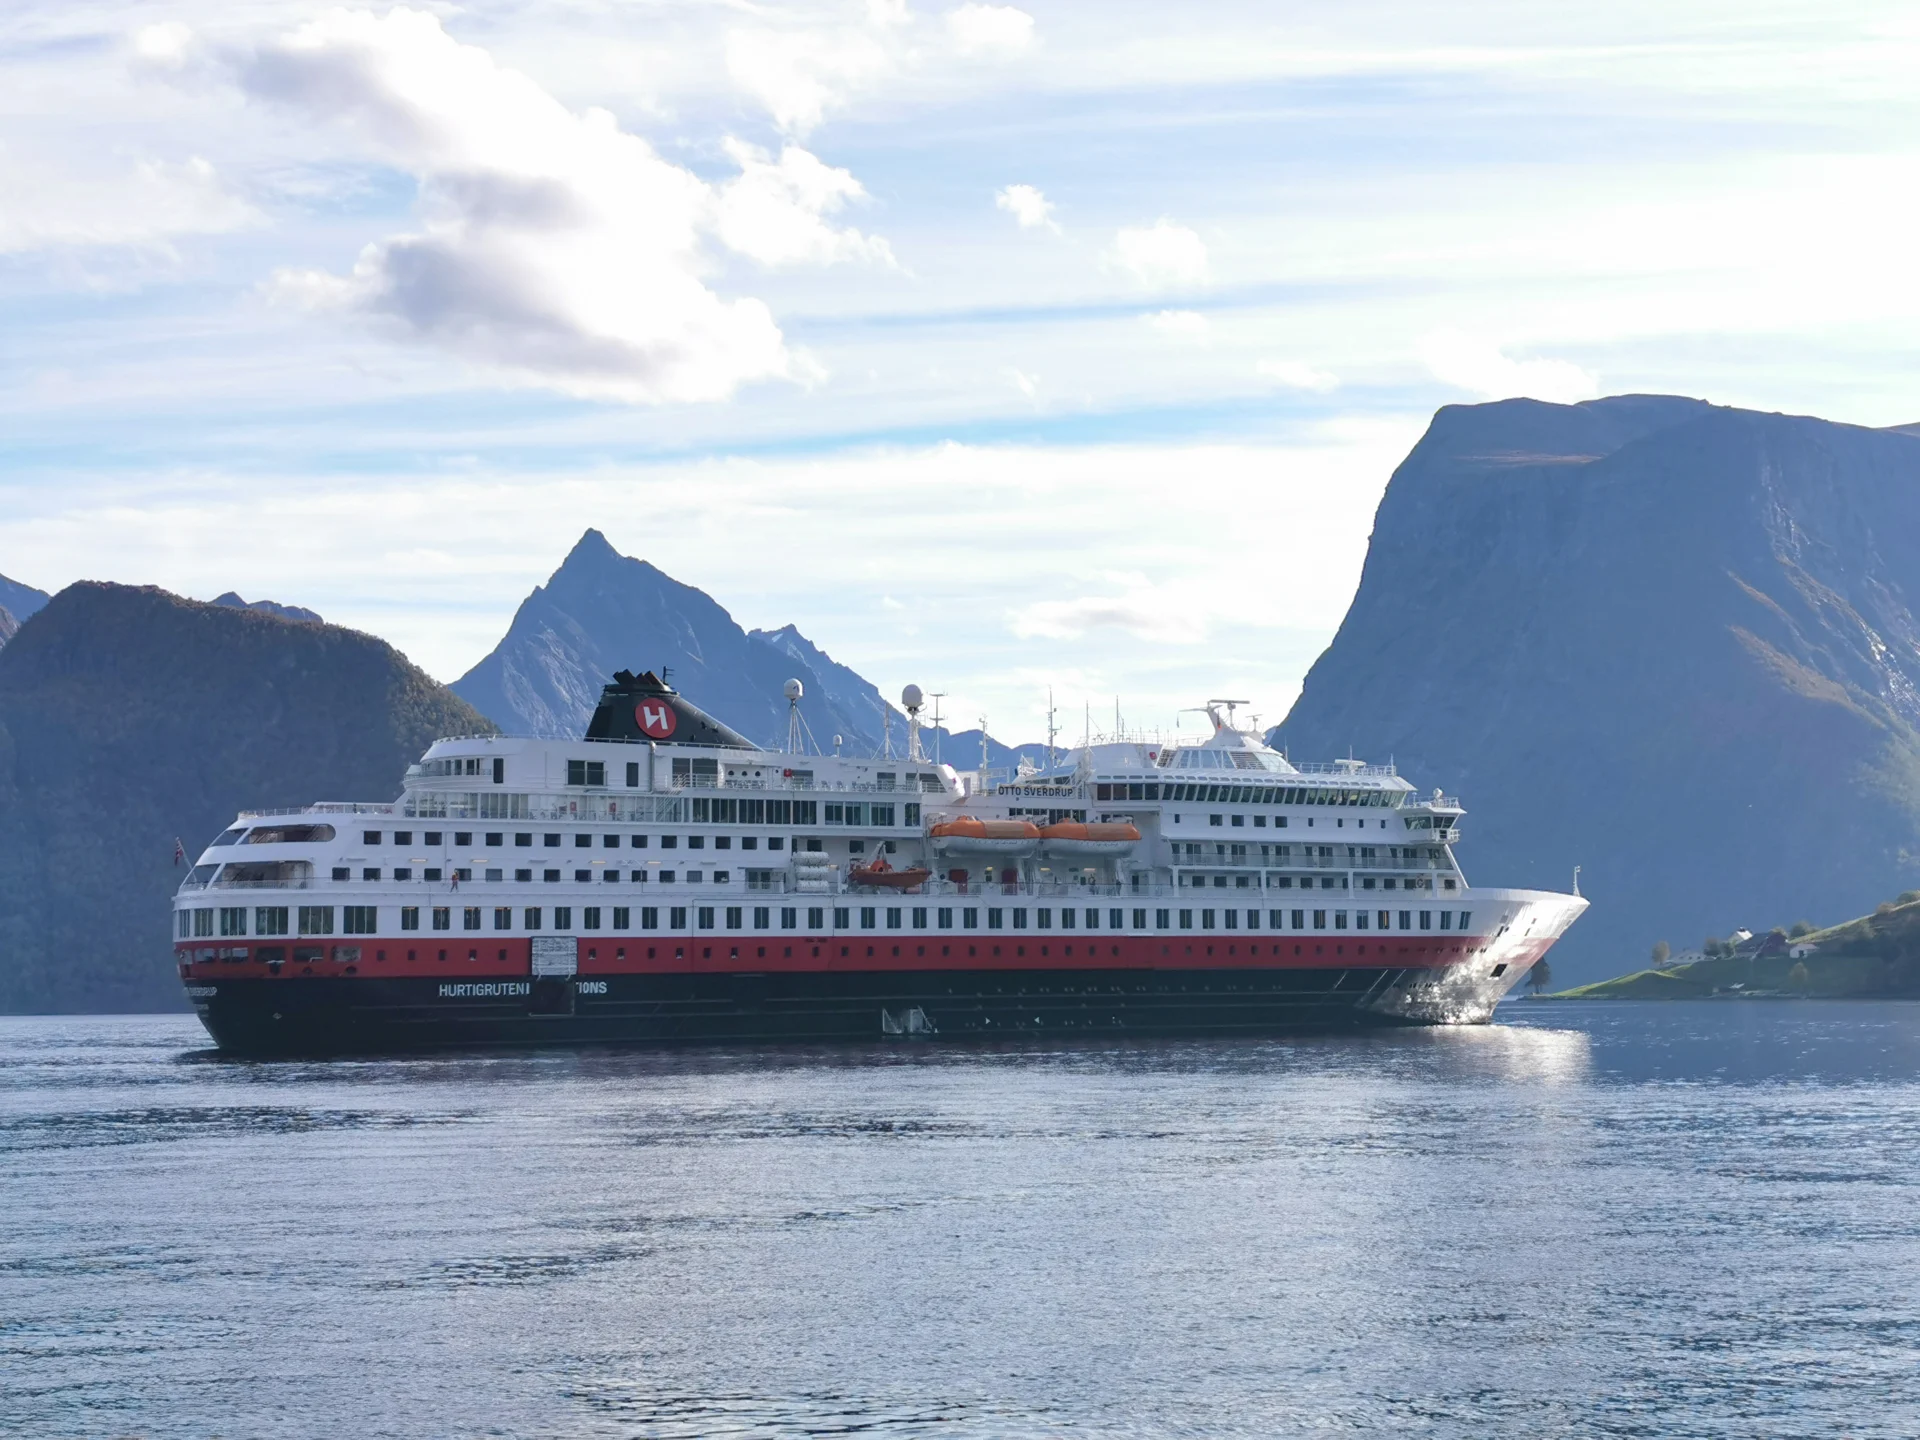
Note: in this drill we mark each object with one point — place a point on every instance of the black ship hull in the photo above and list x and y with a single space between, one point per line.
312 1015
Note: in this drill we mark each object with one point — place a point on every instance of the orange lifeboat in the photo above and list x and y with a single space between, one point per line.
1074 837
879 874
971 835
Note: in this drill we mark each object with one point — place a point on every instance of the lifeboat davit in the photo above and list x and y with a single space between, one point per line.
883 876
1074 837
971 835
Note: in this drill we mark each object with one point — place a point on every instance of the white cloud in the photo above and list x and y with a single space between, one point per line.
990 30
555 247
1161 254
1472 363
1028 206
1298 375
1027 385
798 75
1185 324
773 212
57 204
1145 611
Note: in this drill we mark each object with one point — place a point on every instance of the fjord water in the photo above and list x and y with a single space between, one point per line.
1600 1220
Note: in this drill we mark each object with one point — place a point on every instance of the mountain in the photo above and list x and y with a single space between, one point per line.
20 600
8 625
602 611
266 607
1672 643
129 717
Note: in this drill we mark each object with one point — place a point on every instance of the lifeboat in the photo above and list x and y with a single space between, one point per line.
1072 837
971 835
883 876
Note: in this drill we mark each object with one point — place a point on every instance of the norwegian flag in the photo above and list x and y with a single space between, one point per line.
179 851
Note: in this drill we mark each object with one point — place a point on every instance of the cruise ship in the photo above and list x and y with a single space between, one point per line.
665 880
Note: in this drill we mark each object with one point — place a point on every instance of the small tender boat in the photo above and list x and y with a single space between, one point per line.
969 833
883 876
1074 837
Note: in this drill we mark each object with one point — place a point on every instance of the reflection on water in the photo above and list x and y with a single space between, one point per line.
1584 1220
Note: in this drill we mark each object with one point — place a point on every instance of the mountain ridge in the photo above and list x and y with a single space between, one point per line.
1677 622
129 717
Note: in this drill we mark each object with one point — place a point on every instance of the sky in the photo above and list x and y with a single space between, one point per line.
998 348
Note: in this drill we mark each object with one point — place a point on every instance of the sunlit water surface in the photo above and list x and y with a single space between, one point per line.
1626 1220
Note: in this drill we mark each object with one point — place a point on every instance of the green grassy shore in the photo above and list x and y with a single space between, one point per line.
1877 955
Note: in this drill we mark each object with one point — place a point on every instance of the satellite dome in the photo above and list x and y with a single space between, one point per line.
794 690
911 697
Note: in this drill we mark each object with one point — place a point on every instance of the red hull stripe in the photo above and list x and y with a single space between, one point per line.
480 957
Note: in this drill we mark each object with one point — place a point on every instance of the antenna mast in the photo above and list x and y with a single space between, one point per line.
936 697
1053 730
912 699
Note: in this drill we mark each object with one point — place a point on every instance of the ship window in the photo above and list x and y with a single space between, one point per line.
409 917
1066 918
762 917
316 919
1359 919
581 877
1446 919
666 877
470 917
502 917
638 842
499 771
633 774
649 918
969 918
403 873
1465 916
550 877
669 842
1042 920
996 917
622 918
270 920
1019 917
552 842
583 841
919 917
706 916
1253 919
723 842
1214 819
749 842
233 920
290 834
523 839
531 917
1162 919
893 917
590 918
230 837
1319 919
1385 917
442 918
563 917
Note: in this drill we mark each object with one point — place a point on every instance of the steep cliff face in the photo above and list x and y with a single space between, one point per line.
20 601
129 717
8 625
603 611
1671 643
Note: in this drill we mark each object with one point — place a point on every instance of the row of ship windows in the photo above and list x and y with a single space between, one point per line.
582 840
1306 882
271 920
1194 850
1246 794
551 876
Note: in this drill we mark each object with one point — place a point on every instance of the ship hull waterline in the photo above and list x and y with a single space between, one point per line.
317 1015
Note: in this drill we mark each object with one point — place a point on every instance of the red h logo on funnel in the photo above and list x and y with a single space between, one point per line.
656 718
